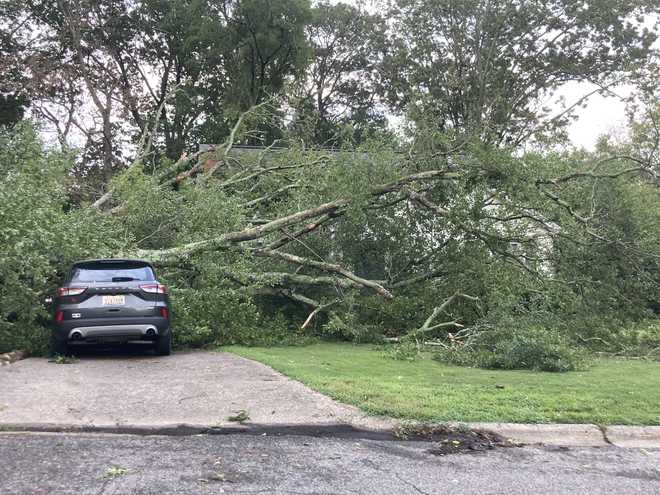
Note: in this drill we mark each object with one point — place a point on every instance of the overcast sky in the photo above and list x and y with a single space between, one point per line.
602 115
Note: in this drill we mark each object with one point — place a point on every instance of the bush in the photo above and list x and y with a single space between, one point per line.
533 348
617 337
403 351
348 326
215 316
640 340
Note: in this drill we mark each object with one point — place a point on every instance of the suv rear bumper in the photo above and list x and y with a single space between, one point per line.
111 330
137 331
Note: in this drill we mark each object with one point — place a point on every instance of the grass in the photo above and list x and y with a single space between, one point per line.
610 392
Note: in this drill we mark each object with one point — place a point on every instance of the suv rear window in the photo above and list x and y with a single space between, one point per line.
111 272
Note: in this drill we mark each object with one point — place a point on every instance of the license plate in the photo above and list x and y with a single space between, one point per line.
114 300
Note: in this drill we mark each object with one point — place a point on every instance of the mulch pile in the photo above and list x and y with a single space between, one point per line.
450 440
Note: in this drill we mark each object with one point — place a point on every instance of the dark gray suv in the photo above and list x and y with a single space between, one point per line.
111 300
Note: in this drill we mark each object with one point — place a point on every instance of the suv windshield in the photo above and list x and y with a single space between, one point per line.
113 273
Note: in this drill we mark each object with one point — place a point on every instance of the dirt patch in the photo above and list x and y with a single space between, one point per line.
449 440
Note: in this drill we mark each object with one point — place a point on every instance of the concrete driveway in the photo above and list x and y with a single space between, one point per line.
199 388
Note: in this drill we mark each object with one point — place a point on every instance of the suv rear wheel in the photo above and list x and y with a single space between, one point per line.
163 345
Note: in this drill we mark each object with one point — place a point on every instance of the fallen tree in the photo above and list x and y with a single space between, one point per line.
305 214
366 244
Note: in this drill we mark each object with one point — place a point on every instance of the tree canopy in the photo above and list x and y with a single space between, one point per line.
484 67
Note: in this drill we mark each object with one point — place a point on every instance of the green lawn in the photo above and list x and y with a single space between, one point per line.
610 392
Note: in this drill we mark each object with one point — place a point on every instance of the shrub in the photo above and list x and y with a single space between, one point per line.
640 340
403 351
618 337
221 316
347 326
532 347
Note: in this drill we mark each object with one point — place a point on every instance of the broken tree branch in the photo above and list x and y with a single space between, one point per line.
423 201
428 325
271 195
302 231
252 233
324 266
592 175
316 311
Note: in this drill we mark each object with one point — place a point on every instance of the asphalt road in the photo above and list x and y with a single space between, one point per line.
122 464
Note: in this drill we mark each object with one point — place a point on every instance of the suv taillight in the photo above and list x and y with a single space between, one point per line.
59 316
165 313
154 288
71 291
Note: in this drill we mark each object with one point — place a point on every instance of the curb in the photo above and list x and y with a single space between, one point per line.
577 435
645 437
565 435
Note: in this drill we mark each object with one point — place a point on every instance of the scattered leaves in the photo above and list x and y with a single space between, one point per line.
115 472
240 417
63 360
